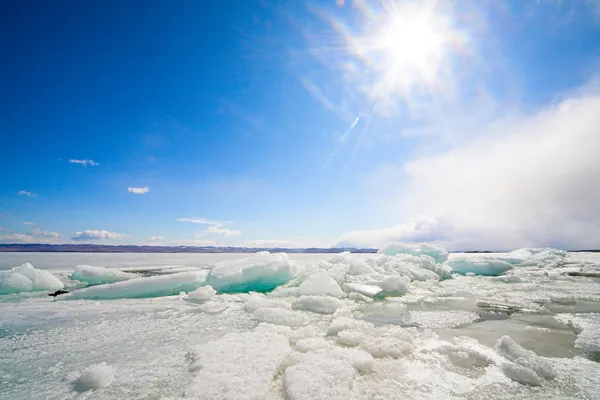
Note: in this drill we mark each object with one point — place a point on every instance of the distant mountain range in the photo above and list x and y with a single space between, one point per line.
100 248
95 248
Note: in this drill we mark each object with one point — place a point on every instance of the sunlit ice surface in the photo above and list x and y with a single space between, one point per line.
398 324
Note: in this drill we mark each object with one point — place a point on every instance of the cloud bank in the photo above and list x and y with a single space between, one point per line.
15 238
526 181
418 229
43 233
96 235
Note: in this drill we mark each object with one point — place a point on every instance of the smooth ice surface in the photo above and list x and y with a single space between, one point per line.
262 272
479 266
94 377
26 278
155 286
438 253
99 275
238 366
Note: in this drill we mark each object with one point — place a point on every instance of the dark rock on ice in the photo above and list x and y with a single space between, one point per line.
58 292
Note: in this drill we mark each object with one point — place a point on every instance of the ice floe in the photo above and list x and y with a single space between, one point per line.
99 275
479 266
262 272
26 278
155 286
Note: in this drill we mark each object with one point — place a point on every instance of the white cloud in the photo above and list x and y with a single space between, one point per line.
26 193
156 238
220 231
96 235
41 232
527 181
28 223
198 221
419 229
15 238
213 229
140 190
85 163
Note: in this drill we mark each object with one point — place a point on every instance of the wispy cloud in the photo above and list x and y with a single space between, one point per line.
41 232
26 193
256 123
28 223
140 190
85 163
156 238
317 93
218 230
15 238
203 221
96 235
213 229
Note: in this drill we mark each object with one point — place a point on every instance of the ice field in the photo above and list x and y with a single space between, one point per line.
411 322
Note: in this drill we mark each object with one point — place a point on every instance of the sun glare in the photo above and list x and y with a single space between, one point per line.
410 42
407 46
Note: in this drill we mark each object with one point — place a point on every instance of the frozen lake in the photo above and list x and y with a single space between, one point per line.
363 326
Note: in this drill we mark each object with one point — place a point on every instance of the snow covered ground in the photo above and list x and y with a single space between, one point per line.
409 323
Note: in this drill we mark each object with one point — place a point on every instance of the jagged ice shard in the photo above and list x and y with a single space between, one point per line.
26 278
262 272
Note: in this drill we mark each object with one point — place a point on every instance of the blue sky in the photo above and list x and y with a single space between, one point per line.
300 123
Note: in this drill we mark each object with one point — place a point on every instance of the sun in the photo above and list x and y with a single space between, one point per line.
407 46
409 41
